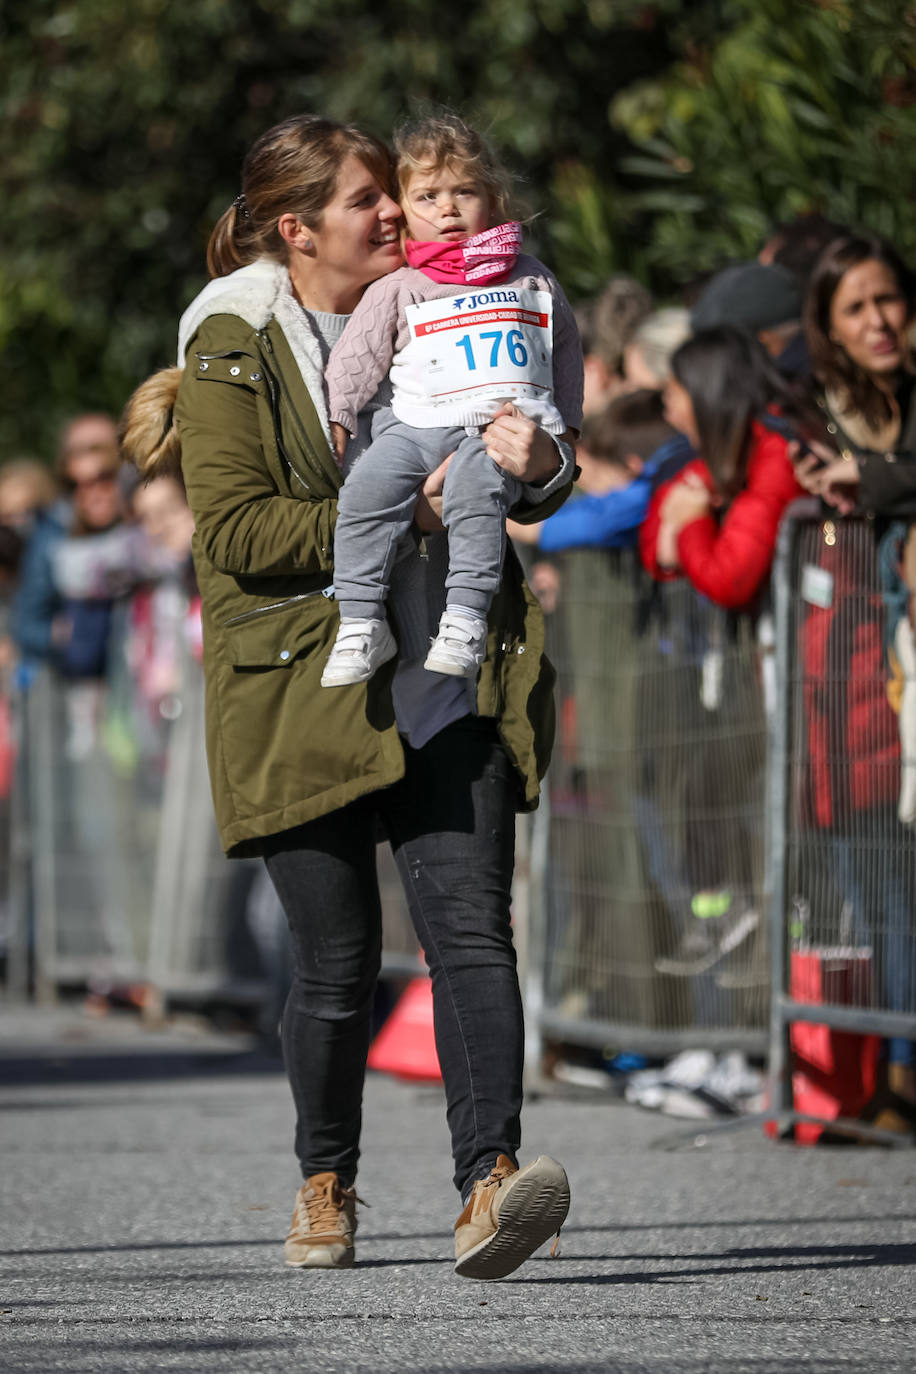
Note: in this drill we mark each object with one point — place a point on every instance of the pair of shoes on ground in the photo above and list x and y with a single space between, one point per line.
507 1217
362 646
698 1085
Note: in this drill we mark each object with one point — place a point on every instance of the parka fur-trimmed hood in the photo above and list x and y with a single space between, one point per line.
256 294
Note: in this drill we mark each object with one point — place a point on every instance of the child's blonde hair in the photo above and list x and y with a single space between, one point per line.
444 140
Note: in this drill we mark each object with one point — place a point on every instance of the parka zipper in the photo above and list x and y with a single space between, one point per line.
278 383
327 592
275 411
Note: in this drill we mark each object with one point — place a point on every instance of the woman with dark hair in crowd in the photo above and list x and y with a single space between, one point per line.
859 312
860 307
716 521
307 778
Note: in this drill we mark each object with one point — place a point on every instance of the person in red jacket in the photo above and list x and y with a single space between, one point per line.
716 521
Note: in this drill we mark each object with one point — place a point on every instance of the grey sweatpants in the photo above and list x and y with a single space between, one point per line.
376 505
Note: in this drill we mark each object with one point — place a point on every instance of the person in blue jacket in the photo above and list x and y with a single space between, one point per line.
622 450
44 627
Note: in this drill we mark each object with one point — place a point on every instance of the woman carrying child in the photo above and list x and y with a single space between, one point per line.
307 778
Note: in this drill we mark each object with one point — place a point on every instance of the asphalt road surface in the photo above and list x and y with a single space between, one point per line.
147 1182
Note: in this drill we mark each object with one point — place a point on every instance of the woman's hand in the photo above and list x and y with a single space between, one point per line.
840 485
688 500
520 447
427 513
822 473
339 437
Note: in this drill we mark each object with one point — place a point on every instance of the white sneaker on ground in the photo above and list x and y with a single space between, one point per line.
460 646
687 1070
361 646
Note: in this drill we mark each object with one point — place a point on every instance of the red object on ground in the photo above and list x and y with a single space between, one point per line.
833 1072
406 1044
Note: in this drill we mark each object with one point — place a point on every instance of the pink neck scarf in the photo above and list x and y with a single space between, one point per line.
485 257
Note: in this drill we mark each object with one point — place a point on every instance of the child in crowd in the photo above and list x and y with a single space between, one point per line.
618 454
717 521
468 324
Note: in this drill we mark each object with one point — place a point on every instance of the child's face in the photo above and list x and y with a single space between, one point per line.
679 410
444 205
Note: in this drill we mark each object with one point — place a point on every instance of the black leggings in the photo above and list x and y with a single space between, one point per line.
451 824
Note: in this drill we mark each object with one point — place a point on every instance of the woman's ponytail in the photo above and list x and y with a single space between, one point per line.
231 243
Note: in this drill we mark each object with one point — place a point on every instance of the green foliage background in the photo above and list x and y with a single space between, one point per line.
661 138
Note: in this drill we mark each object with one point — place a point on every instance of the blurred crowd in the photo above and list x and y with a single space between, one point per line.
778 379
772 380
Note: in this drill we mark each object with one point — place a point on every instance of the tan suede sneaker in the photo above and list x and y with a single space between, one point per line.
323 1226
508 1216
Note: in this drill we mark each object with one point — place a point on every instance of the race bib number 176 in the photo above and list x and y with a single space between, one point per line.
490 344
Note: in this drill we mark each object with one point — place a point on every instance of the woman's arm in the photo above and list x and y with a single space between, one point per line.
878 483
544 463
887 488
520 447
244 524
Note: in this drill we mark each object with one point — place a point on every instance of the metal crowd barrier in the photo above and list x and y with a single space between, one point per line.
117 880
649 902
718 856
842 806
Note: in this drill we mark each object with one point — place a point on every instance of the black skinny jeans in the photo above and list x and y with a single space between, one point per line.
451 824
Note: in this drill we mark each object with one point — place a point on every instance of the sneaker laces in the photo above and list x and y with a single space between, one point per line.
322 1205
498 1174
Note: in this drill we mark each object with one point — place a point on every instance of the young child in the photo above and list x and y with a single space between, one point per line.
467 325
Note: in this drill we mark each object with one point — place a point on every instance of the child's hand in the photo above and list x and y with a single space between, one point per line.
339 437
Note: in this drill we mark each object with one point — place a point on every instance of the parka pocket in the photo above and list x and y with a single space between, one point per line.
275 636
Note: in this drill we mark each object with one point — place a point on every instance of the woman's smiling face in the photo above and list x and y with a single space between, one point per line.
357 239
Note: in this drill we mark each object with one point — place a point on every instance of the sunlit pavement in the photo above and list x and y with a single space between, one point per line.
147 1181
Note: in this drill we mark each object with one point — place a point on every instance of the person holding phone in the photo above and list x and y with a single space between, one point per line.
860 307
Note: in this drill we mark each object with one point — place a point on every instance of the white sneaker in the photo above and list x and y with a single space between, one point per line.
460 646
361 646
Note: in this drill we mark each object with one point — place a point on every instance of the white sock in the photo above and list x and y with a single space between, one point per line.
466 613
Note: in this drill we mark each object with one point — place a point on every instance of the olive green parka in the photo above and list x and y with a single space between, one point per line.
262 484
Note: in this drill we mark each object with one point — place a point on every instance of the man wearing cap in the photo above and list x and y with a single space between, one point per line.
766 300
